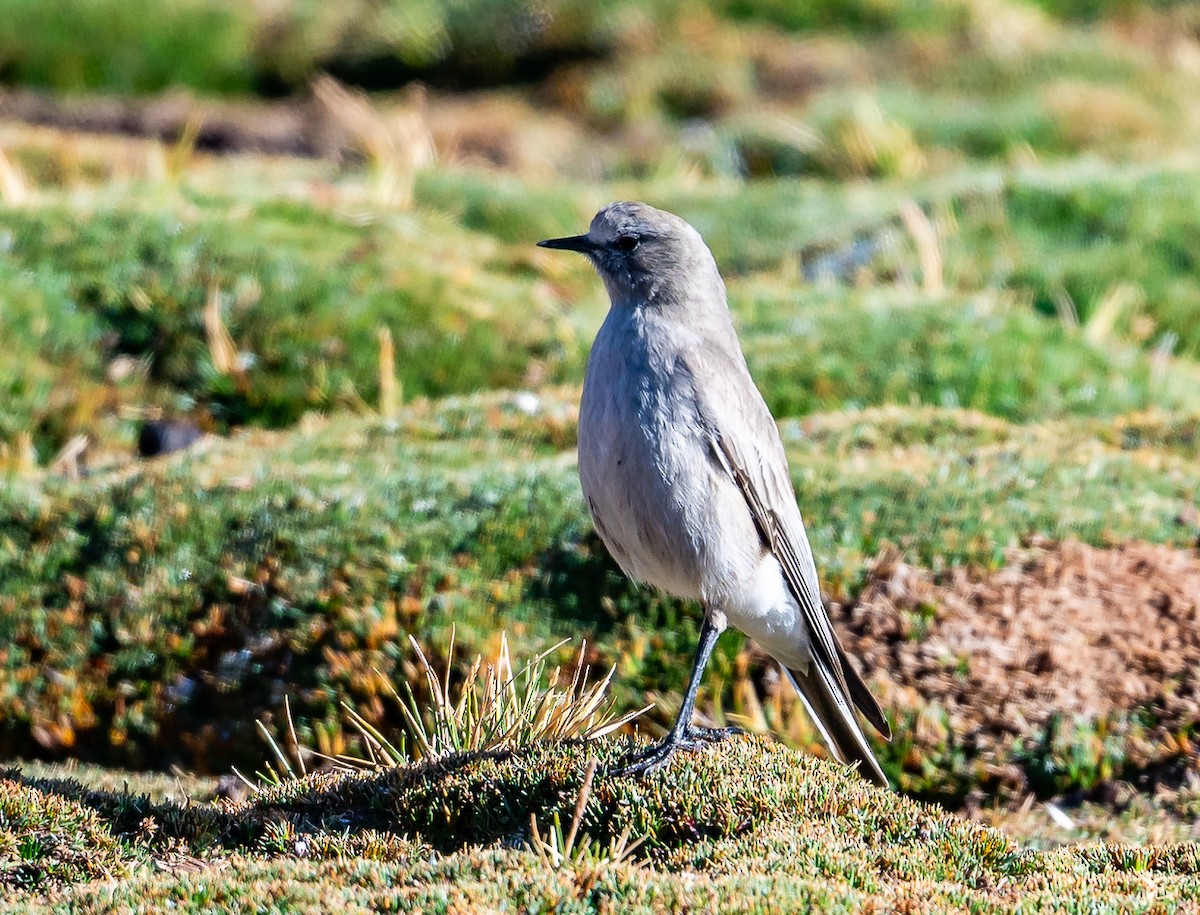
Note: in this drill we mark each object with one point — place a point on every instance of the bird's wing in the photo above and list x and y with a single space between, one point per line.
745 442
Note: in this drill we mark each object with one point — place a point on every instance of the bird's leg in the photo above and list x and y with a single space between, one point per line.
683 735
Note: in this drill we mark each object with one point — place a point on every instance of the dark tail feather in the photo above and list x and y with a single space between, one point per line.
835 719
861 696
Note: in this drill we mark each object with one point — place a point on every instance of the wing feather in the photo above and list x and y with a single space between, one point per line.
751 453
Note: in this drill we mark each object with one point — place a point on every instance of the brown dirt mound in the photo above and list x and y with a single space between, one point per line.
1064 630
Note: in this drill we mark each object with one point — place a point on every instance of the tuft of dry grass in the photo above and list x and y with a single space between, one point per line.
397 146
493 707
864 142
221 348
928 247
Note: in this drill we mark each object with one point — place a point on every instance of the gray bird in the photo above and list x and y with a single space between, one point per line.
686 477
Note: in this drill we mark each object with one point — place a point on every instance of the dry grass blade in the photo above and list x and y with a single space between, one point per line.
577 850
287 710
491 708
1064 306
221 347
449 667
277 750
14 188
585 792
1121 299
469 706
181 153
376 742
69 459
926 238
249 783
389 389
413 718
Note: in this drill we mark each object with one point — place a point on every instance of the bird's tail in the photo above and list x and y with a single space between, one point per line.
835 719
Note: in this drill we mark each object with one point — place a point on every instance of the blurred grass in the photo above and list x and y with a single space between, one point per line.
859 349
1054 237
303 289
302 295
955 79
145 47
140 46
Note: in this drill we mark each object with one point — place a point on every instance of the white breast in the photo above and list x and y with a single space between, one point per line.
640 461
667 513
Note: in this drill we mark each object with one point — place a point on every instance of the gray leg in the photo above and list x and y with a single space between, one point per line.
683 735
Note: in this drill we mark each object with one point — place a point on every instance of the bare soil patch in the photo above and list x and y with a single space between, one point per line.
1064 631
290 127
486 128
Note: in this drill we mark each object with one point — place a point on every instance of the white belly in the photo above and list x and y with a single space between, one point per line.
666 511
762 607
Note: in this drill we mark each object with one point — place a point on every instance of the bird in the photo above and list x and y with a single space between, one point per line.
687 482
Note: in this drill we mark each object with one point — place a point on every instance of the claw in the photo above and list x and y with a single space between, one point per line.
647 761
683 736
656 756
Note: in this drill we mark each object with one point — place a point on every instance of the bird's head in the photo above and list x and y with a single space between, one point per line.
645 255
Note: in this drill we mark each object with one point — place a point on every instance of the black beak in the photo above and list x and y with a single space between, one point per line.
580 243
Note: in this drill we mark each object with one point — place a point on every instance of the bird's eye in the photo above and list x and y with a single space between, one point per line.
626 243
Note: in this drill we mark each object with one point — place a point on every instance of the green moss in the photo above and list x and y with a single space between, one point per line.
46 839
740 826
142 608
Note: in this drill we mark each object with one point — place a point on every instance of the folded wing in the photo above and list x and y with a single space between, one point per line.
745 443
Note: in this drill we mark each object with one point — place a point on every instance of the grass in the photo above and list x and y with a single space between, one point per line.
1093 255
293 564
956 241
780 823
302 295
494 709
303 292
848 350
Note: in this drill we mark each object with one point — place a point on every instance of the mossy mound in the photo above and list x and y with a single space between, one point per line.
747 825
697 812
48 837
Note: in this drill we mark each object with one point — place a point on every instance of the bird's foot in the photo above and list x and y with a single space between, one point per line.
657 755
715 735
